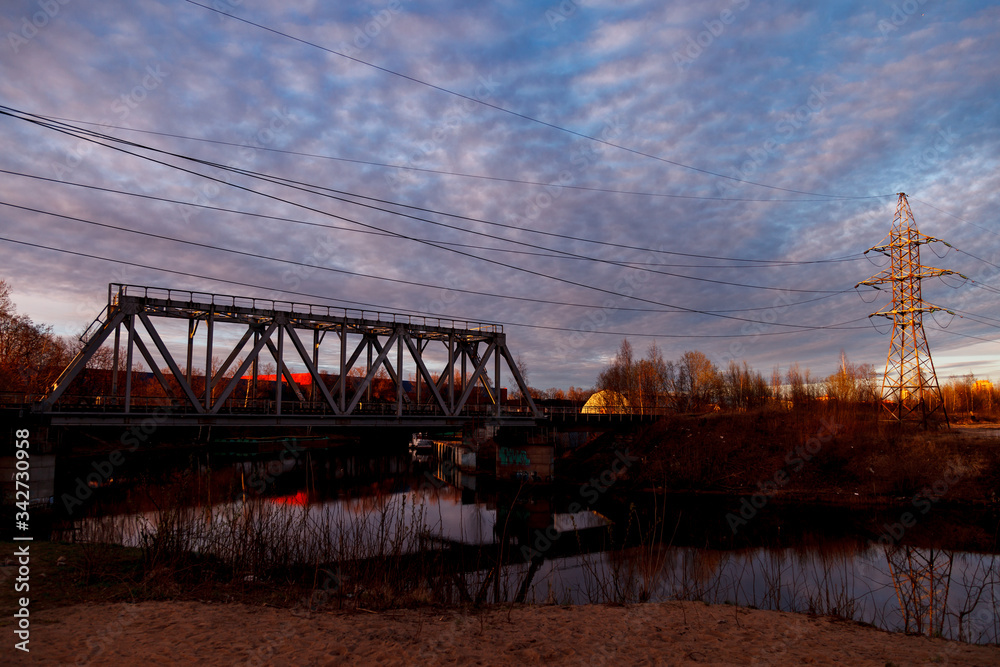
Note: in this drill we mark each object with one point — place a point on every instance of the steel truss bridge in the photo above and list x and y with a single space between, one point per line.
346 353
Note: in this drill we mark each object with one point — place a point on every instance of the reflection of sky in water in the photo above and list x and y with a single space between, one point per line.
858 585
369 521
565 523
438 513
853 581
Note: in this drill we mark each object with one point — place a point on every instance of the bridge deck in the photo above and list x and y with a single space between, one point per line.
340 385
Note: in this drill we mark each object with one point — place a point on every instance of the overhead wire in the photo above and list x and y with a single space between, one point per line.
984 261
942 326
982 286
956 333
83 134
355 230
312 188
968 222
369 276
358 274
985 317
552 255
838 327
440 172
395 234
528 118
783 304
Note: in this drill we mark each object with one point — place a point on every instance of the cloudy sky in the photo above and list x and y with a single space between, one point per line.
703 175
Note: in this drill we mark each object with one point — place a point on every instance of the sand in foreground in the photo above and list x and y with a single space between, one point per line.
676 633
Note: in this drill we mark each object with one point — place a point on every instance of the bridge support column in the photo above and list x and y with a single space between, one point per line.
451 373
192 330
208 360
279 378
130 323
114 362
399 371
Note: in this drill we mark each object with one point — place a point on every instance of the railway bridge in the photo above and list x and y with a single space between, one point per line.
355 363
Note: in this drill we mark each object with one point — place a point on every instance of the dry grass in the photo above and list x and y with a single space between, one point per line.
864 458
373 553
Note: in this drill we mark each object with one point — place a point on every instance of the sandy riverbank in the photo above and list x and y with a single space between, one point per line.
677 633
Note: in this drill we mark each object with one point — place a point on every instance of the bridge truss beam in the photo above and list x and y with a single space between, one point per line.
339 385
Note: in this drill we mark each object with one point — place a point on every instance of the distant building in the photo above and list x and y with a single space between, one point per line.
982 385
605 403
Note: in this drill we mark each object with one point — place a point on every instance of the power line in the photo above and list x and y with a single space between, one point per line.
209 246
955 333
977 320
347 272
52 123
312 188
526 117
988 288
83 134
956 217
440 172
760 264
835 327
305 187
996 266
964 312
335 227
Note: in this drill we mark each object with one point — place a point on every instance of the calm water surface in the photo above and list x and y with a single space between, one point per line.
344 505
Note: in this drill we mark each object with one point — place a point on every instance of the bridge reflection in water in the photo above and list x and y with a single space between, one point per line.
539 543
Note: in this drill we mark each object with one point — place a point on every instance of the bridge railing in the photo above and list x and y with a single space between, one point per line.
606 414
183 298
233 406
10 398
139 405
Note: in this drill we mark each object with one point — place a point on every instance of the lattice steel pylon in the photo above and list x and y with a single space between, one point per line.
921 578
909 388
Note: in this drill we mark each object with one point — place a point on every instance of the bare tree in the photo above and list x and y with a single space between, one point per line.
776 384
851 383
30 356
800 386
743 388
617 380
639 384
698 379
651 380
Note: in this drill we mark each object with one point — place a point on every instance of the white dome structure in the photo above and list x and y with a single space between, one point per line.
605 402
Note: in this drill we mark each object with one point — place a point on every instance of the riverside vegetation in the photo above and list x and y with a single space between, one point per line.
730 434
192 540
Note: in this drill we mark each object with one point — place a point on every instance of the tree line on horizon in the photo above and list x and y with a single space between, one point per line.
693 383
32 357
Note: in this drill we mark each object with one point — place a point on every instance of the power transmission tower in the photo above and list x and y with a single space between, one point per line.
921 579
910 383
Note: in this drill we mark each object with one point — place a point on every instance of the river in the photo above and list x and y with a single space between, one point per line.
940 575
